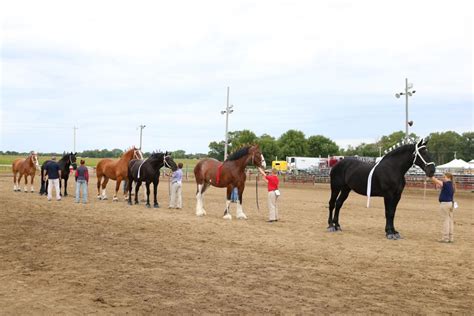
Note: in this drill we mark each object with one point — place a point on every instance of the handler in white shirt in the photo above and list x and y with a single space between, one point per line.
176 183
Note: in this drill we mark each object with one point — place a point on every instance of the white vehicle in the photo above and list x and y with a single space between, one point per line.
296 164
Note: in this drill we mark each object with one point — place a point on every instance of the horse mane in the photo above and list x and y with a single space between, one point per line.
400 147
241 152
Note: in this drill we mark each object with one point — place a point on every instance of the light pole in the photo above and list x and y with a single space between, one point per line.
141 129
75 128
228 110
407 94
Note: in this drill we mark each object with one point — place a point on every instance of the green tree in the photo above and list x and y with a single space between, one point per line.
319 145
238 139
466 149
179 153
216 150
443 145
293 143
269 147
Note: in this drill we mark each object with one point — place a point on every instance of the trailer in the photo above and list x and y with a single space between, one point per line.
305 164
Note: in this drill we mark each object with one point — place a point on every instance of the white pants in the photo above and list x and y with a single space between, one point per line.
54 182
272 206
176 200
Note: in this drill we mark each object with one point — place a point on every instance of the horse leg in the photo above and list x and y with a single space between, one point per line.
26 183
129 190
155 189
14 182
332 204
65 185
117 188
99 180
199 200
32 189
240 212
104 185
390 209
147 185
137 187
227 203
339 202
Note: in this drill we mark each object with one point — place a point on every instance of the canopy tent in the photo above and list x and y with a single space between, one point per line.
471 162
456 164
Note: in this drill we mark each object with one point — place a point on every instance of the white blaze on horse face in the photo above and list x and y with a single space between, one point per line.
264 165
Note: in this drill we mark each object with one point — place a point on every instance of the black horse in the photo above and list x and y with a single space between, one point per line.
68 159
148 171
388 181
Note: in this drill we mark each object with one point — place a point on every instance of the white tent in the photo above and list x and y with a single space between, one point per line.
456 164
471 162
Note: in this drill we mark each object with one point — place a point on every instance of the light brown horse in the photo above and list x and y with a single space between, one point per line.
227 174
25 167
116 170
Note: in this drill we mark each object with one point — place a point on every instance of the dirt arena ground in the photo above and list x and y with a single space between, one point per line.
106 257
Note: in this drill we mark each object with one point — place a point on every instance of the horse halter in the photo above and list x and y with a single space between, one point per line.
417 154
165 163
137 154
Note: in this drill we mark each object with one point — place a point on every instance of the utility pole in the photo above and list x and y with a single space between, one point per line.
74 148
228 110
407 94
141 129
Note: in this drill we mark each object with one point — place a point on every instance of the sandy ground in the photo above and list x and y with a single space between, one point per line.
107 257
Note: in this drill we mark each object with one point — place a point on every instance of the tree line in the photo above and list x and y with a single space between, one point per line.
443 146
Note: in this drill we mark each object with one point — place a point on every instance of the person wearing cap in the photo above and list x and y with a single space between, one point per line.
82 180
176 184
53 174
273 193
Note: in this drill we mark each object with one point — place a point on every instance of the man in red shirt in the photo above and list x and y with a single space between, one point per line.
273 193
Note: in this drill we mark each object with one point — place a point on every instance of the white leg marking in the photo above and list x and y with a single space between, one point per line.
199 203
227 213
240 211
104 195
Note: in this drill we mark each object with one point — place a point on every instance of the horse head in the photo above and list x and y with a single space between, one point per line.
72 160
169 162
257 157
422 158
34 159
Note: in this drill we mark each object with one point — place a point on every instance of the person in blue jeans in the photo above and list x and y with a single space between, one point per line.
234 197
82 180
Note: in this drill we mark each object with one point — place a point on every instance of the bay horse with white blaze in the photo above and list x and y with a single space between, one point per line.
116 170
387 181
25 167
148 171
67 160
228 174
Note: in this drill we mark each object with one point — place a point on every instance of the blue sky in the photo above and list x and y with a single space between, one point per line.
322 67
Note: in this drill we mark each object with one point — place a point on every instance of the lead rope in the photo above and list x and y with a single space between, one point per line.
256 191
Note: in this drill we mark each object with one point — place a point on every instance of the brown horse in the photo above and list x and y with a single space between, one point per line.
25 167
116 170
227 174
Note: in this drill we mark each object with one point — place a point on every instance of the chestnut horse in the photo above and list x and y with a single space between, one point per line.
116 170
227 174
25 167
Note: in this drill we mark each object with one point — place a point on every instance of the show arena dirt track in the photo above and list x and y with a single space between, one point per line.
108 257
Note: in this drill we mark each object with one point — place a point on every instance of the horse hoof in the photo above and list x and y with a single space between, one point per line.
242 216
136 202
331 229
104 198
227 216
156 206
391 236
200 214
129 202
115 200
148 206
